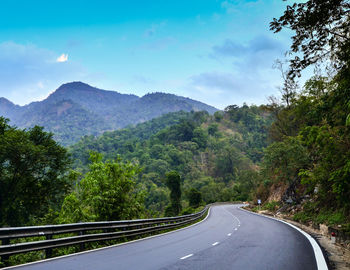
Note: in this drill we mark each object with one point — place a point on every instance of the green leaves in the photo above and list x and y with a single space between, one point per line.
347 122
283 160
107 192
173 182
321 32
33 174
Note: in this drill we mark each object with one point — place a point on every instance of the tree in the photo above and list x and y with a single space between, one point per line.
107 192
213 129
194 197
200 137
173 182
283 160
289 89
322 31
33 174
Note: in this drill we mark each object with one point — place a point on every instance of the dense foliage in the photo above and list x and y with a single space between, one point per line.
33 174
107 192
311 134
321 32
215 155
173 182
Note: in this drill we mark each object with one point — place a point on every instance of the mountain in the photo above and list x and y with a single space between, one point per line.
8 108
76 109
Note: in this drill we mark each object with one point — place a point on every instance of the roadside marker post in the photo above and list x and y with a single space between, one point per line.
333 239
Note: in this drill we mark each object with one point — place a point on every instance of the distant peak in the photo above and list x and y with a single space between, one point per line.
75 85
5 101
155 94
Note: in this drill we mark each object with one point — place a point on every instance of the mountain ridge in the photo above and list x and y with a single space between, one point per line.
76 109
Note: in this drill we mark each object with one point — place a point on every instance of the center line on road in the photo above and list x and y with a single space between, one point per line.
229 234
185 257
215 243
236 229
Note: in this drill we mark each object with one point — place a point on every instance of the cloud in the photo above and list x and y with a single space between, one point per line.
221 89
256 45
246 75
232 6
151 31
218 82
62 58
29 73
142 79
228 48
158 44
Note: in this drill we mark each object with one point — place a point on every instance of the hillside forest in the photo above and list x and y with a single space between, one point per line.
126 172
292 153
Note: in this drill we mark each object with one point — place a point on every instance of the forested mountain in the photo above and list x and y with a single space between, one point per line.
76 109
215 156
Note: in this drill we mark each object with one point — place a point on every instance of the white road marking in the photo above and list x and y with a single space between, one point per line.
215 243
108 247
236 229
229 234
320 260
185 257
239 222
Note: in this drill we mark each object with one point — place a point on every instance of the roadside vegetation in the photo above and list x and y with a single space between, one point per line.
293 154
309 154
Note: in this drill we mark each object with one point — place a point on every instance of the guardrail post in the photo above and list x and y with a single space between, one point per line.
5 258
48 251
82 245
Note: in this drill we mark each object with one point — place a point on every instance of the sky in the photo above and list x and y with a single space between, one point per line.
220 52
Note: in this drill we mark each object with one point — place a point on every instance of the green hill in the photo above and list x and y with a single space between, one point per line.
77 109
215 155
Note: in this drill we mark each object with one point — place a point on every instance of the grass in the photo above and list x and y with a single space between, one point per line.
271 206
318 215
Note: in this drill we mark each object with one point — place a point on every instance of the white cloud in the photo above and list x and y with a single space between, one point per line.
29 73
248 76
40 85
62 58
221 89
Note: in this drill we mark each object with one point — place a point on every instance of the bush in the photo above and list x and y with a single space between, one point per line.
271 206
187 211
330 218
302 217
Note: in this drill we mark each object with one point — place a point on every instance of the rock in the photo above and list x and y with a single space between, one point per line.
290 195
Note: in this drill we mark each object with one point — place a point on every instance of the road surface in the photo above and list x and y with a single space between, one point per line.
229 238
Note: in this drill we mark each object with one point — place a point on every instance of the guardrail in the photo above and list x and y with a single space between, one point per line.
85 233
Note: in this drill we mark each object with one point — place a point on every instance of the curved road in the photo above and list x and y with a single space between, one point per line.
229 238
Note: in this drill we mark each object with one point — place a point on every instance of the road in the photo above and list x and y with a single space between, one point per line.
229 238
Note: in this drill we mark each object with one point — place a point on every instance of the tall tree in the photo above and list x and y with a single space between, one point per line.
173 182
322 31
194 197
33 174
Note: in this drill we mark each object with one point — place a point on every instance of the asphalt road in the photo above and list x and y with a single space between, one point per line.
229 238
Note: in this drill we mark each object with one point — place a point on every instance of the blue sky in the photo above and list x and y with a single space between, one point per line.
220 52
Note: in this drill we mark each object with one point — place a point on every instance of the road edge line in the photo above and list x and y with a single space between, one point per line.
320 259
102 248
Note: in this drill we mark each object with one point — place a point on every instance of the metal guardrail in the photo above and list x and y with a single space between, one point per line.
85 233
